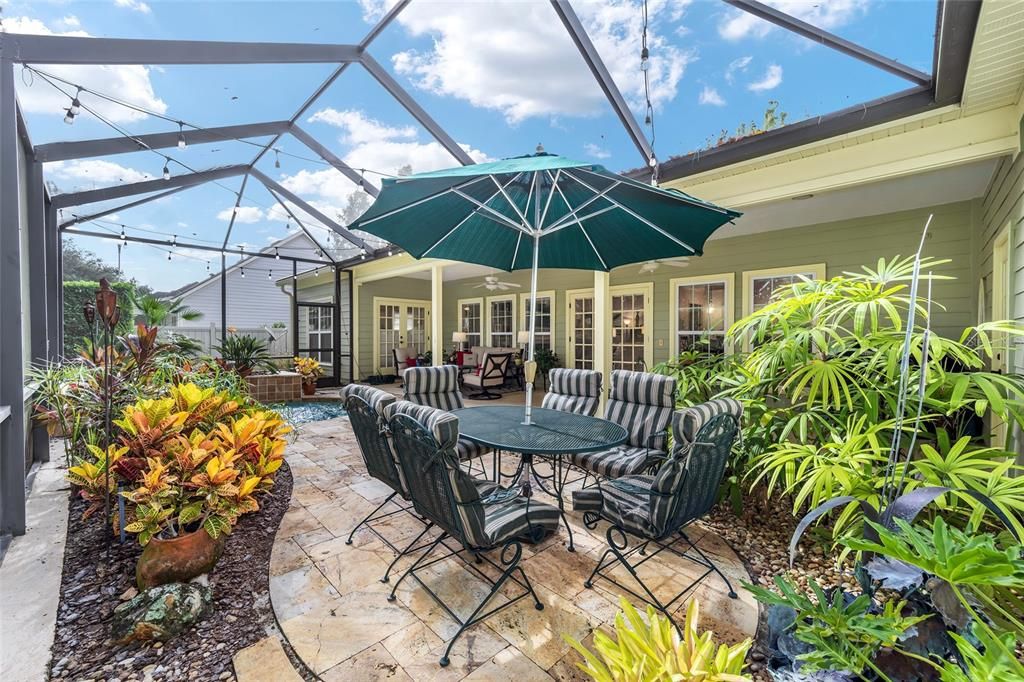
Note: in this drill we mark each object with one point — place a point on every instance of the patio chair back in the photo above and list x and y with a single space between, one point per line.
573 390
687 484
365 406
494 368
425 439
642 403
434 386
401 355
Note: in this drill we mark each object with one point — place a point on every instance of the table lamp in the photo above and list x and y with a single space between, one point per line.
523 339
458 339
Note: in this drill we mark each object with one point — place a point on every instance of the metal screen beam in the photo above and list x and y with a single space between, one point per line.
302 226
329 156
413 107
146 186
774 16
234 210
122 207
62 151
277 189
39 49
958 22
604 78
54 284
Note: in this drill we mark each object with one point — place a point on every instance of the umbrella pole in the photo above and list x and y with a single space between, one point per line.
530 367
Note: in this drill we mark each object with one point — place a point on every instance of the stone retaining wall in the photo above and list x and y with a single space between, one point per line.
275 388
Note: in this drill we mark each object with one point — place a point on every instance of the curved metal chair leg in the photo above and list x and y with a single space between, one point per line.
405 551
368 517
589 582
711 564
408 571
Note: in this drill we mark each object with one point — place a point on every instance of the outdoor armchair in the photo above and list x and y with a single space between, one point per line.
657 509
403 359
573 390
479 515
642 403
438 387
491 375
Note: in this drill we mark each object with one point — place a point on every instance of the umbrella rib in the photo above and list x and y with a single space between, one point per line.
515 253
507 197
424 200
498 217
583 229
461 222
547 204
639 217
662 193
588 202
588 216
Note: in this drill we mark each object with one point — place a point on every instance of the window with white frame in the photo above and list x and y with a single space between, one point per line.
501 320
702 312
544 331
761 285
471 321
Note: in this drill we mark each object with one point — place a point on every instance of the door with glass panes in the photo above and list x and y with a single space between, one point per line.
631 349
399 324
316 337
581 331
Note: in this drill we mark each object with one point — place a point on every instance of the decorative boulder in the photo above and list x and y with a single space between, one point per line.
161 613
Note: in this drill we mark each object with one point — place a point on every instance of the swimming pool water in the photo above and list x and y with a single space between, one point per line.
304 411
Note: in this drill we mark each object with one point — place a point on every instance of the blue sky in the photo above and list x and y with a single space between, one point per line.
499 77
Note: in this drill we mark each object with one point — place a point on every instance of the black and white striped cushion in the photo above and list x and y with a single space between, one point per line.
573 390
624 502
622 460
688 422
444 425
642 403
434 386
376 398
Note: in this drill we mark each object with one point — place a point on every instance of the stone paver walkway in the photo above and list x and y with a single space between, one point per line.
333 609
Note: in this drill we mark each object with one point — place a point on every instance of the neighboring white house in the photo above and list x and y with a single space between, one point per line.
256 303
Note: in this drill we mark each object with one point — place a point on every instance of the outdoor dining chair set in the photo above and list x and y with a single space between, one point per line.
643 490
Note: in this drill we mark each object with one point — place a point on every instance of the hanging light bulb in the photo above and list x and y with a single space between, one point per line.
319 253
69 117
168 255
124 237
644 63
647 119
288 226
389 251
270 274
207 266
277 256
181 136
277 159
76 106
167 171
362 255
243 273
316 272
362 180
174 240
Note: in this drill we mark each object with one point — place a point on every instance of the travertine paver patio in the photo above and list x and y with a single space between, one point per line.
333 609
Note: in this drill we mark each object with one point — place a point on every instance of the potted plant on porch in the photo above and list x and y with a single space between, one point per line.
310 370
245 353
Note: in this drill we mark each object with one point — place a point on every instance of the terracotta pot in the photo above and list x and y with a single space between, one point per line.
309 388
177 560
243 371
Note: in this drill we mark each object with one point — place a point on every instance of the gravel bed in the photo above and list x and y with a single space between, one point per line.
94 582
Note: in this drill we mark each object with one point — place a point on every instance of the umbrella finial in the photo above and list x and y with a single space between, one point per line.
540 148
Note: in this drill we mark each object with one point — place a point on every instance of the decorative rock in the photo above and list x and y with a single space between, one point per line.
161 613
128 594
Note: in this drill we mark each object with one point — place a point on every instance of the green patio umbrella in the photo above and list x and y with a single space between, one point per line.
539 211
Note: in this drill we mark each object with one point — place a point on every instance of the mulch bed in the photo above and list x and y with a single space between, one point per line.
93 583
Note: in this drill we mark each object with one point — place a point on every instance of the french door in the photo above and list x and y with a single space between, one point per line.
399 323
630 342
317 337
581 331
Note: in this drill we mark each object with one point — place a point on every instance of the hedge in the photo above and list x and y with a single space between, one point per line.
75 296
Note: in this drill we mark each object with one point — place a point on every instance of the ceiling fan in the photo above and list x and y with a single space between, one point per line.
492 283
652 265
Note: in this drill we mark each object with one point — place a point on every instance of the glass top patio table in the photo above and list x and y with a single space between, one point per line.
552 431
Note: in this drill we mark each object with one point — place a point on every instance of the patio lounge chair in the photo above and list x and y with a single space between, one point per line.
480 515
365 406
491 375
438 387
642 404
402 357
657 509
573 390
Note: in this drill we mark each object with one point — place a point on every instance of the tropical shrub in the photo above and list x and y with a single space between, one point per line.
653 650
246 353
309 368
76 295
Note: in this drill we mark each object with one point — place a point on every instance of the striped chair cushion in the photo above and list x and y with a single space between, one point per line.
573 390
444 425
467 449
377 398
622 502
686 423
642 403
434 386
622 460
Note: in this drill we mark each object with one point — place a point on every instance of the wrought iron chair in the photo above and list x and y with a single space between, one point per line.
573 390
438 387
492 375
656 510
365 406
403 357
641 403
480 515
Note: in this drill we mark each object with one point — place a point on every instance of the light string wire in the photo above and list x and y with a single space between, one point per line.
645 70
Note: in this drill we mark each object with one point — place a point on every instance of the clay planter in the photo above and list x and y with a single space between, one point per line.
177 560
309 387
243 371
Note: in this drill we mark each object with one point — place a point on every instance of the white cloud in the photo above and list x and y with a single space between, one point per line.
736 66
129 82
710 96
95 172
243 214
360 128
772 79
517 58
135 5
70 21
591 149
737 24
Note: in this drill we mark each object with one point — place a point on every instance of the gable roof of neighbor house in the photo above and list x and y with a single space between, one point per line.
192 287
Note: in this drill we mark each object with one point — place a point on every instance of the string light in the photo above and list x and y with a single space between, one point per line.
270 274
181 135
124 237
277 256
167 171
389 251
168 255
174 240
316 272
243 273
288 226
277 159
645 65
76 106
207 266
362 180
69 117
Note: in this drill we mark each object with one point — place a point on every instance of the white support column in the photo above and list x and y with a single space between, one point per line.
603 332
436 313
356 367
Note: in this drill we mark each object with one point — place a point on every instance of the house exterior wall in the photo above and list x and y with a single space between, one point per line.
252 301
395 287
321 290
841 246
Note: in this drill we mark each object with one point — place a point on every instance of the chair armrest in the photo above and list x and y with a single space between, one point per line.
500 495
627 487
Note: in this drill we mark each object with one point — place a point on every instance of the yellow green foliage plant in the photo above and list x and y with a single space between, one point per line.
653 650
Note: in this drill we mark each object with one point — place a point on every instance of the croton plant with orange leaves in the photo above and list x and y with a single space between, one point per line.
193 459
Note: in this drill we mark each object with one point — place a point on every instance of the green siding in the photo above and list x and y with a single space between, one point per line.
396 287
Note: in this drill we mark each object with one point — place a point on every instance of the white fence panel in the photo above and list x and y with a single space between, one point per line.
278 339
